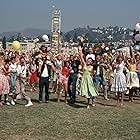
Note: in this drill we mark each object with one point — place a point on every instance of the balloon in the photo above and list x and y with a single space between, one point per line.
137 37
45 37
16 45
137 26
107 48
113 51
137 47
36 40
105 54
78 37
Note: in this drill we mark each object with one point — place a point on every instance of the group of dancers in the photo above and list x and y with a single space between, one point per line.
85 73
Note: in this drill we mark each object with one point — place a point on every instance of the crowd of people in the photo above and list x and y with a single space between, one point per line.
85 73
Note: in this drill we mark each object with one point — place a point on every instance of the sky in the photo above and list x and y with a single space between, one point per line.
17 15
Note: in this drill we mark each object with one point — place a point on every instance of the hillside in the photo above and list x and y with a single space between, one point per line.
92 34
100 34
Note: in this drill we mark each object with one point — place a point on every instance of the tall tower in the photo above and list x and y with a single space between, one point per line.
56 27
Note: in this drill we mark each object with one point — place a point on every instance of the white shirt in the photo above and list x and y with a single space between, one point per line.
58 64
98 70
45 72
18 69
22 70
13 67
92 56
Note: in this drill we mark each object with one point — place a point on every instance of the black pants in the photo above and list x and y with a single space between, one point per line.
44 82
72 82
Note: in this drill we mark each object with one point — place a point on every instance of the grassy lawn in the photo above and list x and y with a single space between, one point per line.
59 121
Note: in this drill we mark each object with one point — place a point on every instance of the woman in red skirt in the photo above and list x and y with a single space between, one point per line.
33 79
63 80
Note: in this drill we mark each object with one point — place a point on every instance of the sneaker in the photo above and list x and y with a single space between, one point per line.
29 104
93 105
106 98
40 101
13 103
51 91
46 101
10 94
88 107
18 97
7 103
66 101
71 101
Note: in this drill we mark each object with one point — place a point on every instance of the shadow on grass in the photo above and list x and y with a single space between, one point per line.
21 102
105 104
54 100
81 102
35 101
76 105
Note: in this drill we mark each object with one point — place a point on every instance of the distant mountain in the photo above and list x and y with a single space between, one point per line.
111 33
9 34
32 33
28 33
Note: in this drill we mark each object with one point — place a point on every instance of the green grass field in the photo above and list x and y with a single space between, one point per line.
60 121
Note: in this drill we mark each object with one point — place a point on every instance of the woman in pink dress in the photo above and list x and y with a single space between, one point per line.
4 84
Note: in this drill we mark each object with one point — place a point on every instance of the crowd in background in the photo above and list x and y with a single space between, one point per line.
85 73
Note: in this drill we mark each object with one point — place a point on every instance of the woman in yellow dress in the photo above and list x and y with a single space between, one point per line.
133 81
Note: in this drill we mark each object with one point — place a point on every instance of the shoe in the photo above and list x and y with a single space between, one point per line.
13 103
40 101
93 105
18 97
71 101
10 94
66 101
34 89
31 90
88 107
106 98
29 104
7 103
121 105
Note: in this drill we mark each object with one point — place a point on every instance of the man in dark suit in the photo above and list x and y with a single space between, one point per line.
73 79
45 67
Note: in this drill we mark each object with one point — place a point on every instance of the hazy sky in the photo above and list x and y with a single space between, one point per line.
21 14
